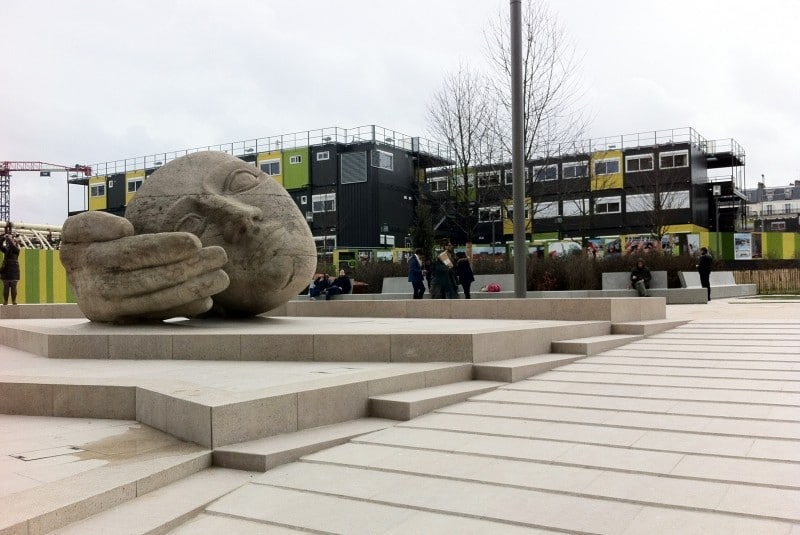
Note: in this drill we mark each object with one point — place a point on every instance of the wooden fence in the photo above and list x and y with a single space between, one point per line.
773 281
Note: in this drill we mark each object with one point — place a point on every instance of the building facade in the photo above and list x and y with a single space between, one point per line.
356 187
651 184
774 209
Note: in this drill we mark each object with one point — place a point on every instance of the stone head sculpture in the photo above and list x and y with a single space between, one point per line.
226 204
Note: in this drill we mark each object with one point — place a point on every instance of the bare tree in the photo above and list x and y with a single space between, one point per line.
550 90
472 114
460 116
652 200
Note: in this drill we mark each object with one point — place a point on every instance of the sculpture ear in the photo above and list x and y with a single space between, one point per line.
186 215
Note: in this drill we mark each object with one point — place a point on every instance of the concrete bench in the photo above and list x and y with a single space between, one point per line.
723 284
620 281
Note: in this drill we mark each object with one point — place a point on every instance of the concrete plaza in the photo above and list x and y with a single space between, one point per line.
695 429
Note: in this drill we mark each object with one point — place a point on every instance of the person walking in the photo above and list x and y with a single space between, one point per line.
704 269
416 274
9 271
640 278
464 271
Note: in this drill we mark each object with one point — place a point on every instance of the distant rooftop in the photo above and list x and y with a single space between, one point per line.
436 152
723 153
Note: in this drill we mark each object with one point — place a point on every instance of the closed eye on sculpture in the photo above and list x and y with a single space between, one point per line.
240 180
192 223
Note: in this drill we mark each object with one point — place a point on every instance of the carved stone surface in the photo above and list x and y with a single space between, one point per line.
206 231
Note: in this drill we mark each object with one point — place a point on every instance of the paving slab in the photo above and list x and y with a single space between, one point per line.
665 435
162 509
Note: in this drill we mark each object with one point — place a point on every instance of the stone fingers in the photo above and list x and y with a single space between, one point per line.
157 279
95 226
146 250
179 299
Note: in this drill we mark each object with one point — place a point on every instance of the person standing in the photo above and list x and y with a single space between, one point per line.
9 271
464 271
416 274
640 278
443 283
704 269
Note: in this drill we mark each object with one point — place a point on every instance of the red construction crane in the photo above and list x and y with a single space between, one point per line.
43 168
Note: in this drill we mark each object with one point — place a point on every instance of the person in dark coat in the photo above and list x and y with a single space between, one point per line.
640 278
704 270
319 285
340 285
443 281
464 271
416 274
9 271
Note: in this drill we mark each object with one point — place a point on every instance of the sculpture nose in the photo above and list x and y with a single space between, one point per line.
239 220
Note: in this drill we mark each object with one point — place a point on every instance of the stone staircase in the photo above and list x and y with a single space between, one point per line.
44 508
156 495
384 410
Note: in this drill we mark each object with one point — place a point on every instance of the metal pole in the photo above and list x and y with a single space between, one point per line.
716 204
518 152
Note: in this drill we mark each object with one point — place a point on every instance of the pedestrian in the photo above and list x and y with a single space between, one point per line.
9 271
340 285
640 278
704 269
416 274
427 271
464 271
443 280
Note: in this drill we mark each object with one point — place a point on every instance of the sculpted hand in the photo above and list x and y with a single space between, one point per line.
119 277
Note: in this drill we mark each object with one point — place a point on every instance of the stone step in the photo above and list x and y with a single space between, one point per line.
412 403
513 370
522 494
593 344
646 328
163 509
54 505
266 453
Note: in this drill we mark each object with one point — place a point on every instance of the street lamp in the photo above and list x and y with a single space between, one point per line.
716 190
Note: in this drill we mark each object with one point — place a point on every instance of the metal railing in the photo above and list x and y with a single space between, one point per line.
283 142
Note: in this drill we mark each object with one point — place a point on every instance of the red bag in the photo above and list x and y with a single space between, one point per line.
493 287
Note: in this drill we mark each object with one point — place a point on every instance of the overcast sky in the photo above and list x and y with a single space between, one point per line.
89 81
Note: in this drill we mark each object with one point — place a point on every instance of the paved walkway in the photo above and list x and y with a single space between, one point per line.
695 430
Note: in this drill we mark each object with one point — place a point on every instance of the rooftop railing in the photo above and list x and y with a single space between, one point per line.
283 142
378 134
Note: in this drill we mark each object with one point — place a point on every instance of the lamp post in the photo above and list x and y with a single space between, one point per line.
717 191
493 236
559 221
